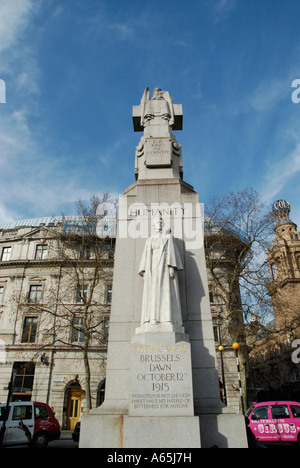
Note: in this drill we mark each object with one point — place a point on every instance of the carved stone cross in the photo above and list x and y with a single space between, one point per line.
158 110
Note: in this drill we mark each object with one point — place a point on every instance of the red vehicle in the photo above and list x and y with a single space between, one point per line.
31 423
275 421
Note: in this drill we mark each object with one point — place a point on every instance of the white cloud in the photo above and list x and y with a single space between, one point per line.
223 8
14 15
36 184
280 174
122 31
269 94
19 146
17 54
27 81
263 98
7 215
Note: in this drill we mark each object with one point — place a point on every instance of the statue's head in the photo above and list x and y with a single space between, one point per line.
158 223
156 91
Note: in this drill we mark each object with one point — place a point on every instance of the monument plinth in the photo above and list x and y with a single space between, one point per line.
161 376
162 386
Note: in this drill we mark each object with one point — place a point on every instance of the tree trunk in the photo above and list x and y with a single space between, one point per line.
87 378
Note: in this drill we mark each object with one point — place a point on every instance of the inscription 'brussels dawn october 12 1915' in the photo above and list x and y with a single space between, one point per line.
161 380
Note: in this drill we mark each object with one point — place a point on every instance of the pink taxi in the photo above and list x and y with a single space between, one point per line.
275 421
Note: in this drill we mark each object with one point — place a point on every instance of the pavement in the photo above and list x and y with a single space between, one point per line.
65 441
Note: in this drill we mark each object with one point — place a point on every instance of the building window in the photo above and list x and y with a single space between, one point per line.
77 330
105 329
85 252
6 252
1 294
108 293
274 272
216 328
81 293
109 246
100 394
216 334
29 329
23 381
35 294
41 252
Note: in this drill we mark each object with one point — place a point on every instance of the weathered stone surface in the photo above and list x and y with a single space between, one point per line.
161 376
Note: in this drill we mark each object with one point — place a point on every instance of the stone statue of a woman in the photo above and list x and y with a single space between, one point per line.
159 265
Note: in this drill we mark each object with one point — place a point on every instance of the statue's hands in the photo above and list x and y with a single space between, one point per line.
171 272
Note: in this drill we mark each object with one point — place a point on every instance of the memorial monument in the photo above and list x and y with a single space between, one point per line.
162 388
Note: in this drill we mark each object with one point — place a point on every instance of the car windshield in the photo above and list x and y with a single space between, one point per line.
249 410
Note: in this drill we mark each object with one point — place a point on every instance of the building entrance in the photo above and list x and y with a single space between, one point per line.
74 407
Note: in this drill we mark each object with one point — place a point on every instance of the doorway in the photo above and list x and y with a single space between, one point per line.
74 406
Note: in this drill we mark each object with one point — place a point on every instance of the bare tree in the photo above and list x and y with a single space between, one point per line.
237 235
72 309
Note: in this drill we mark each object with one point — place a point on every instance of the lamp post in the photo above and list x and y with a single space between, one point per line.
236 348
221 349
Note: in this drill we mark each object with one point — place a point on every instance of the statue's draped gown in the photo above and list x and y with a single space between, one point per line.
161 298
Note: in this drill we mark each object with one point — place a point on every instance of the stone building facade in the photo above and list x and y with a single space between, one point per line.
221 247
284 263
42 300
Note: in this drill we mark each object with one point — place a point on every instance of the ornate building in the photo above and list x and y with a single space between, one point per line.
53 295
284 262
221 249
274 374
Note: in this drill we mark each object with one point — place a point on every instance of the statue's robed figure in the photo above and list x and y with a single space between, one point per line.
159 264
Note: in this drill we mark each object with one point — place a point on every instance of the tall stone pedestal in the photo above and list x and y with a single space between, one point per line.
161 405
162 387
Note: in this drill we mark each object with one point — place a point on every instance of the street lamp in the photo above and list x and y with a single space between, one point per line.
236 348
221 349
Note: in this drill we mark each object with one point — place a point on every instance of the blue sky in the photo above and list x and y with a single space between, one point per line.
73 69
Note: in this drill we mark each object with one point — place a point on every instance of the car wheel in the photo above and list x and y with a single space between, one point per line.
298 443
40 440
